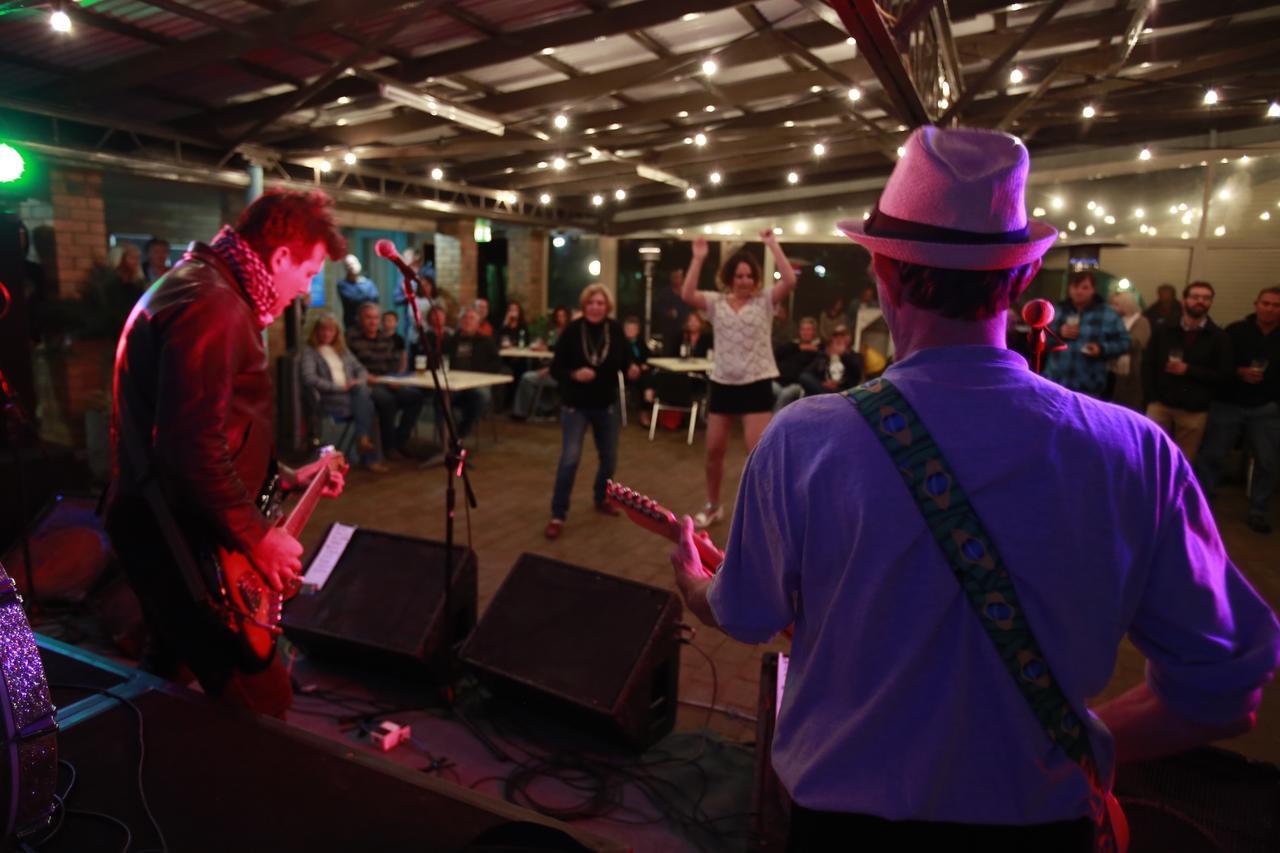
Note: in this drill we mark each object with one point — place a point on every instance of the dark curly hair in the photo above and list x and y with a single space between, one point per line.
296 220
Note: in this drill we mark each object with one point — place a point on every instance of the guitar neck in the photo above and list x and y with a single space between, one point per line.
301 514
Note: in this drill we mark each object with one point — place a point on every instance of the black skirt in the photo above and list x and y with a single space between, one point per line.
741 399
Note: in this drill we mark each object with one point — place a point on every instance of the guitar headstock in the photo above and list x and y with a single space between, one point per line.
643 510
656 518
333 458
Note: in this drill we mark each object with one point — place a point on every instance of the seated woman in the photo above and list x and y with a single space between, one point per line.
640 357
338 385
532 380
513 332
694 342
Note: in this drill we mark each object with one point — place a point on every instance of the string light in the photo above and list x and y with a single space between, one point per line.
1273 109
1089 230
545 198
349 158
901 151
1056 202
710 108
1265 216
1071 226
1220 230
1092 204
1139 213
620 194
325 165
1144 154
1151 231
855 94
542 164
561 121
793 178
715 177
1210 97
709 67
1143 228
1016 76
437 174
1110 220
597 200
700 139
1039 211
819 149
691 193
1185 236
1088 111
558 164
60 21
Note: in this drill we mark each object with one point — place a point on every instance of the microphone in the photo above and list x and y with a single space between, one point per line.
387 249
1038 313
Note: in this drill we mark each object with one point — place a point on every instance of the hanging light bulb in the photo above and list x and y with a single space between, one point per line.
690 193
349 158
620 194
561 121
819 149
545 198
793 178
1210 97
1016 76
437 174
855 94
1089 111
709 67
1144 154
597 200
715 177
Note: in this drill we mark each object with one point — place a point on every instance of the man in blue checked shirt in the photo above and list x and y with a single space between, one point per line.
1093 332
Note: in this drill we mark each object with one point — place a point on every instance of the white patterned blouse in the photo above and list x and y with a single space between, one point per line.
743 338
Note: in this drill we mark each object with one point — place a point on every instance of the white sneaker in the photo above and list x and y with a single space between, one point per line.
708 515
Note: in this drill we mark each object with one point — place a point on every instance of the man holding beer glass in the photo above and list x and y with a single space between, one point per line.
1093 332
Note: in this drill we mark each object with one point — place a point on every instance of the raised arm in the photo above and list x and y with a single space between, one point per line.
690 292
788 281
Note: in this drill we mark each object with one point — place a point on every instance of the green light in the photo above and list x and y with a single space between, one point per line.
11 164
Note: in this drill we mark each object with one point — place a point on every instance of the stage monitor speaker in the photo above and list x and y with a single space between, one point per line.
383 604
603 648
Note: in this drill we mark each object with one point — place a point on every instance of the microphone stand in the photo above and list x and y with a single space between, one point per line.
1035 338
455 467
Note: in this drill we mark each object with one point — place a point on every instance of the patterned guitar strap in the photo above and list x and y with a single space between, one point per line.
982 575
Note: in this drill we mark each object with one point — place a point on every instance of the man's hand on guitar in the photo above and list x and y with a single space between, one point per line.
685 558
278 557
304 475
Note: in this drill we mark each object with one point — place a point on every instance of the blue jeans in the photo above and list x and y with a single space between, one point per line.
527 390
468 407
605 425
1261 425
389 400
362 413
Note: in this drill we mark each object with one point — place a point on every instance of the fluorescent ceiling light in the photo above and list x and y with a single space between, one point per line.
444 109
651 174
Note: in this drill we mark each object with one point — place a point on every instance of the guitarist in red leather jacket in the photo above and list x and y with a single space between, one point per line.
192 436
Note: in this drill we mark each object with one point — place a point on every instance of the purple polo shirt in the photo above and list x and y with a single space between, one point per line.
896 703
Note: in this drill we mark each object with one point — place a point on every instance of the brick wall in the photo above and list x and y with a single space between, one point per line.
79 227
456 259
527 268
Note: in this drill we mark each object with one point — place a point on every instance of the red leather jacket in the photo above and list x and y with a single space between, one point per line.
191 376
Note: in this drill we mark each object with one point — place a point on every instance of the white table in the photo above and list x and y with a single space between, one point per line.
459 380
682 365
526 352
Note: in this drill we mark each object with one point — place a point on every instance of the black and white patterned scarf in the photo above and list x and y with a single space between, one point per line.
249 271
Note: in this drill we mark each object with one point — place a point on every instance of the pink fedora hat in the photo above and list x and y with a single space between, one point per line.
955 200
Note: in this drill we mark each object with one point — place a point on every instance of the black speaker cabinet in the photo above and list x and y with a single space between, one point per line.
383 604
603 648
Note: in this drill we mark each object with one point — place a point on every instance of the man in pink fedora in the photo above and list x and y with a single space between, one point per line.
947 629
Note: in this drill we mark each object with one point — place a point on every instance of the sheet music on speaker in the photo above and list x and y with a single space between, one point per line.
326 559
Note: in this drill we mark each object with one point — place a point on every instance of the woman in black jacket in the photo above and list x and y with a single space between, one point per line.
589 354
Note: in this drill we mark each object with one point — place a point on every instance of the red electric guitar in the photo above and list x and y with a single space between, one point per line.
656 518
250 606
